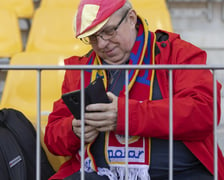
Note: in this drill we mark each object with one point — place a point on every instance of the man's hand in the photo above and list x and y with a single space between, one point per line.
90 133
103 116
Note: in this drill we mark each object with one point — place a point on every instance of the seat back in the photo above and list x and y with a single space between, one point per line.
20 91
10 35
52 31
155 12
22 8
59 4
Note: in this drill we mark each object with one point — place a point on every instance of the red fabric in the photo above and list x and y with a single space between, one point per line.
193 109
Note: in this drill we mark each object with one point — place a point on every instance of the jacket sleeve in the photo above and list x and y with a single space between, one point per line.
59 137
192 101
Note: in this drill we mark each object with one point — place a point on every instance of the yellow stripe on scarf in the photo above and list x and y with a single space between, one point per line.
100 72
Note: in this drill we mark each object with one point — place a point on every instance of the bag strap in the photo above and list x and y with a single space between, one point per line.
12 164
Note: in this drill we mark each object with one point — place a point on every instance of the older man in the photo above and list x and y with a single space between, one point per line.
119 36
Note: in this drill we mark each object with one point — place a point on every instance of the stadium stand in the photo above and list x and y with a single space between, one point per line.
10 35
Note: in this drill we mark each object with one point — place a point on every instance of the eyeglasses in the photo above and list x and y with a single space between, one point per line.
106 34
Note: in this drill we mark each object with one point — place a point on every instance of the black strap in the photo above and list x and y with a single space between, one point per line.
12 164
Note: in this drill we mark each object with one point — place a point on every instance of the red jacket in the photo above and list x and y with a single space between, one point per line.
192 108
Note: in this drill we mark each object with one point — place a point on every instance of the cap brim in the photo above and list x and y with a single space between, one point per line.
93 30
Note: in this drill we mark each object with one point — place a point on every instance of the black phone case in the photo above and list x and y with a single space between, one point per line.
94 93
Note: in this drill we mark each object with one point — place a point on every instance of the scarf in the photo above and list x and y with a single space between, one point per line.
106 155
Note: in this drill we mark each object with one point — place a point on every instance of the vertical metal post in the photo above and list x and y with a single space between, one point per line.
126 123
223 10
38 153
170 124
82 126
215 126
210 10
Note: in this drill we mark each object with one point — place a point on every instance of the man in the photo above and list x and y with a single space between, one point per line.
119 36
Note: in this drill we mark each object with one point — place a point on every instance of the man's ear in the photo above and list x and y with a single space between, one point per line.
132 17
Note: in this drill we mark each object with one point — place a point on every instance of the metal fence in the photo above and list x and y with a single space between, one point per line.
39 70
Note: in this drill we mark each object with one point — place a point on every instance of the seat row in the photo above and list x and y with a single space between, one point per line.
11 11
52 31
26 8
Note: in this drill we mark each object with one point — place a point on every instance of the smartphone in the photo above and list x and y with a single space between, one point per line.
94 93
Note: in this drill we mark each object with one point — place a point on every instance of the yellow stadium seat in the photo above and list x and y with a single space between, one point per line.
22 8
10 35
156 13
52 31
59 4
20 90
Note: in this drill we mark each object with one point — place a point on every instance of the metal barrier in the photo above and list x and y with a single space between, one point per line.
223 10
39 69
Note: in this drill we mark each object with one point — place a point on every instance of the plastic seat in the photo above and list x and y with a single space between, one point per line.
150 3
22 8
10 35
59 4
156 13
52 31
20 90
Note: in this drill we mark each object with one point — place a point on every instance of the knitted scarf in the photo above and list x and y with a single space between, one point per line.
106 155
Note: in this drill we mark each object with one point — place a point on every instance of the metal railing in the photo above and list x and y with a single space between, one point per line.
39 70
223 10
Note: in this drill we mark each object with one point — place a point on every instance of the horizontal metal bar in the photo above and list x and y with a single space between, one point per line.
86 67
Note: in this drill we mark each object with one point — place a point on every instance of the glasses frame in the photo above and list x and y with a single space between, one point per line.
87 40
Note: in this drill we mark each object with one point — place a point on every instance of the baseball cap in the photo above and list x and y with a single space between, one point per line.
92 15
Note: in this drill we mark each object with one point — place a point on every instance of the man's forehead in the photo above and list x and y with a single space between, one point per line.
110 23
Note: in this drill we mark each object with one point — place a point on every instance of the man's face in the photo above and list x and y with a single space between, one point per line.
117 49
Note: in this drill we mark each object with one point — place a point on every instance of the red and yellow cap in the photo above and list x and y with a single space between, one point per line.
92 15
